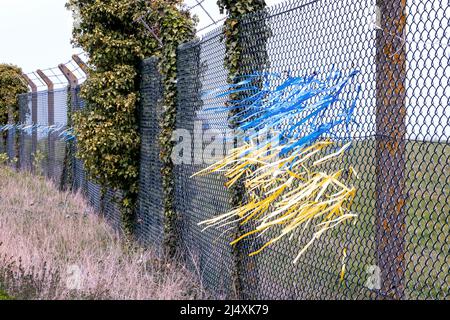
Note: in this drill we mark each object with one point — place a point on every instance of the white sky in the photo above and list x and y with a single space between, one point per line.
35 34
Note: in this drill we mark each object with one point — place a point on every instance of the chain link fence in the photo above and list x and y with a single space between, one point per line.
398 248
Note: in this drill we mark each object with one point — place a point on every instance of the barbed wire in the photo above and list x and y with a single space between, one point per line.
57 77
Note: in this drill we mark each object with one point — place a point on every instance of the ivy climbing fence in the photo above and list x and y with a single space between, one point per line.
397 248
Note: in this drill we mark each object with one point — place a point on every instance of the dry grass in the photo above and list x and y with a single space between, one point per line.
53 247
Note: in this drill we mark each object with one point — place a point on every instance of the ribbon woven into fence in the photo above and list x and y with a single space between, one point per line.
66 134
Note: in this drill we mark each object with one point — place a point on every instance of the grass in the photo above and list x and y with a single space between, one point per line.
53 246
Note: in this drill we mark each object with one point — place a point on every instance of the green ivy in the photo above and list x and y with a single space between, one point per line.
68 165
235 10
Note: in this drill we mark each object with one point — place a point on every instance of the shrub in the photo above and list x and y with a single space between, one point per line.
107 130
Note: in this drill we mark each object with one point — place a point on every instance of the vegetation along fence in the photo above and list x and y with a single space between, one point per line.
399 245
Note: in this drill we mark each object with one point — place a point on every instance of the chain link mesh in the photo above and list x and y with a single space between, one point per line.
150 213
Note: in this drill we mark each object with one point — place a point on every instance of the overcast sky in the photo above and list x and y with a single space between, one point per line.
36 33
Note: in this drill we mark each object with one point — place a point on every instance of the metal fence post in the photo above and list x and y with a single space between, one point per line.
50 122
390 145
